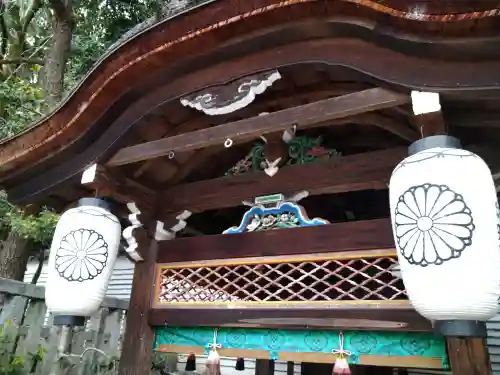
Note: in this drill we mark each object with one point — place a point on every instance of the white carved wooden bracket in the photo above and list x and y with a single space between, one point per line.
229 98
161 233
128 232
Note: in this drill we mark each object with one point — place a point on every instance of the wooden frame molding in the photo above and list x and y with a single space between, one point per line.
393 316
304 116
340 237
338 255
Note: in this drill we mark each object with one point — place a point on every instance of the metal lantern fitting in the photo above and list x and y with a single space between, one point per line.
83 252
444 213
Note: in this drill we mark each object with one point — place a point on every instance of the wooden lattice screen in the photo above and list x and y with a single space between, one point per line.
311 280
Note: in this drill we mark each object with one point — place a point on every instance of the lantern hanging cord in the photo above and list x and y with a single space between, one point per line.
341 351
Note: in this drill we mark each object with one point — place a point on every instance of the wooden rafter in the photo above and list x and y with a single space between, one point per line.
121 188
305 116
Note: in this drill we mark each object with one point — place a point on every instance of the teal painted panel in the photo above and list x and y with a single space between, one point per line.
277 340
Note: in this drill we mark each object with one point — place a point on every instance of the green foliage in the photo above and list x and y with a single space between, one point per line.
11 364
97 24
25 35
38 227
20 103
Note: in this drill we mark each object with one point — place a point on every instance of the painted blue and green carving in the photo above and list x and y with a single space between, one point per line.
302 341
301 150
275 212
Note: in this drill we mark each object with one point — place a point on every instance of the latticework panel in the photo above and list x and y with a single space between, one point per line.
315 280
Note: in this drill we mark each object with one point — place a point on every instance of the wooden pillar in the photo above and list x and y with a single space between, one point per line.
468 356
264 367
290 368
137 349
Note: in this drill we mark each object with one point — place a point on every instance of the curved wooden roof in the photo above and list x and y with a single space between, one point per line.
445 46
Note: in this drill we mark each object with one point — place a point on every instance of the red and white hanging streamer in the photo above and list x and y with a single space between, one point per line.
341 363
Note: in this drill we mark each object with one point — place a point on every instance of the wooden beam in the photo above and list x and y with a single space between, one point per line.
138 341
473 119
124 190
399 316
430 124
303 116
339 237
469 356
370 170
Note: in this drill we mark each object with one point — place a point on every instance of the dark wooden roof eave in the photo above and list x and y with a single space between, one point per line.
14 157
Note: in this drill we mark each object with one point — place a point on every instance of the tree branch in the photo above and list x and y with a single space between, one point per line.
60 9
3 30
22 60
30 14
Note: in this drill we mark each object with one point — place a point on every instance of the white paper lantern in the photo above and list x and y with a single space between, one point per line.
82 256
446 229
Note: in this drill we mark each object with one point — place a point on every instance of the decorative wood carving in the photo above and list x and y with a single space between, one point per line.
298 150
132 233
229 98
163 234
129 234
274 212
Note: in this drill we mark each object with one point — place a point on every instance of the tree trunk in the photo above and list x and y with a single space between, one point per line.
57 54
14 254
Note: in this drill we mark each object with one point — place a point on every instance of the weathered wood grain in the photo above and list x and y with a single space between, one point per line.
137 351
469 356
26 332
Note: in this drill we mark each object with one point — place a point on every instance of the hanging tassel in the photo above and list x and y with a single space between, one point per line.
191 363
341 363
213 361
240 364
